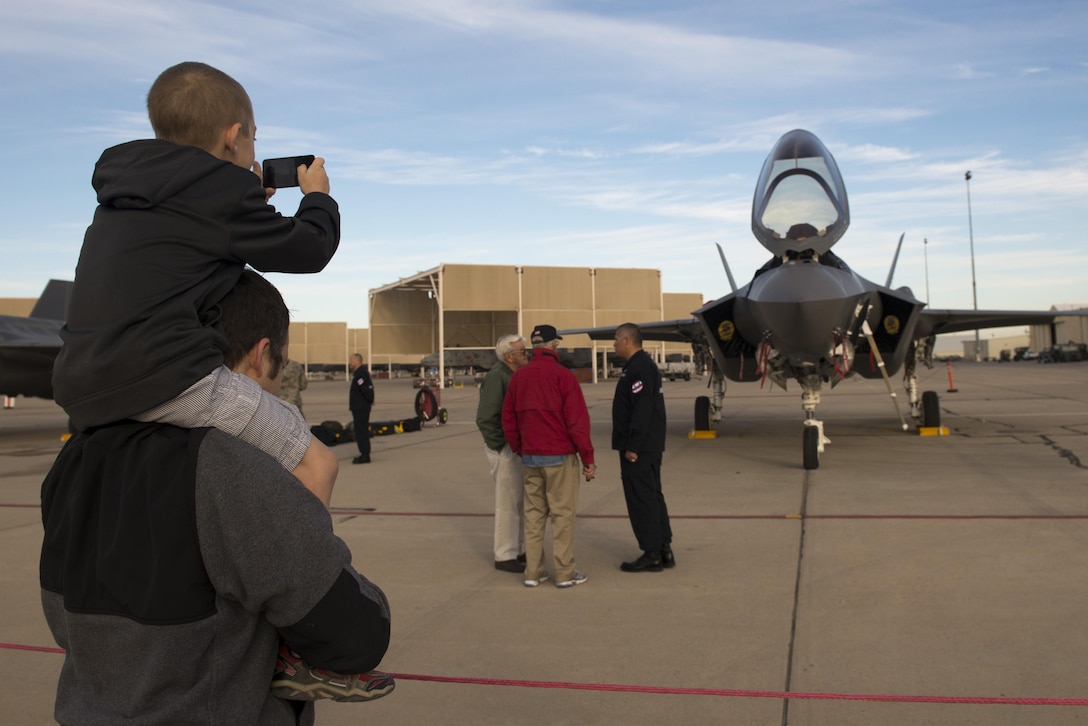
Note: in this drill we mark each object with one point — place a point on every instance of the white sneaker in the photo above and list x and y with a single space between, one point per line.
576 579
534 583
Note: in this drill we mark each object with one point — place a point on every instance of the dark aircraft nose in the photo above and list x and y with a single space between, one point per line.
800 200
803 306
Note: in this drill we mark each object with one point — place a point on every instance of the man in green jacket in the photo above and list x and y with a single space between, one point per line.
505 464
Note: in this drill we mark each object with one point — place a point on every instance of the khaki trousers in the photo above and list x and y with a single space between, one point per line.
509 493
551 492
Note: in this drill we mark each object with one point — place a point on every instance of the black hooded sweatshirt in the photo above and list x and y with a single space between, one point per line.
174 229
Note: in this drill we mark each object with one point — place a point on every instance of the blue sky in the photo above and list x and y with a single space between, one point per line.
614 133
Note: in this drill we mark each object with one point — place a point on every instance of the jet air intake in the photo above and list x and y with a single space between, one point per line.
800 200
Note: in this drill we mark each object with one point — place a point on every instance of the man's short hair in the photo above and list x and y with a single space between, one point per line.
632 331
191 103
253 310
504 346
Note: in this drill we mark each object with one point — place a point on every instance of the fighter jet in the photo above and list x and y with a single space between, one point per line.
805 315
482 359
472 358
29 345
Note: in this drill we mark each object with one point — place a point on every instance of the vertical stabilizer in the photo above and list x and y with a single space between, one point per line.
53 304
728 273
895 260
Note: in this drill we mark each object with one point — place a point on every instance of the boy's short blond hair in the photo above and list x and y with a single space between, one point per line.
191 103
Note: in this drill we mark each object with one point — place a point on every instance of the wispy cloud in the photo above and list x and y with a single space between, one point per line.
618 40
557 132
967 72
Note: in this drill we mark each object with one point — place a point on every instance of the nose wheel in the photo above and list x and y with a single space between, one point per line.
812 443
812 439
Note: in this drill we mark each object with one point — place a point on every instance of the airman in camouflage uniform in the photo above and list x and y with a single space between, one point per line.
293 384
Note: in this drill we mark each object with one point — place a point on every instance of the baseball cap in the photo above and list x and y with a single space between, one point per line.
544 334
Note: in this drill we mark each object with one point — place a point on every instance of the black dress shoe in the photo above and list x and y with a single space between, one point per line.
361 459
521 558
648 562
667 558
509 565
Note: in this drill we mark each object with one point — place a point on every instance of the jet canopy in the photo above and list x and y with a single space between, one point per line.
800 201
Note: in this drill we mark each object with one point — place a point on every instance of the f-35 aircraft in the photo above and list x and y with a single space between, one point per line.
806 315
29 345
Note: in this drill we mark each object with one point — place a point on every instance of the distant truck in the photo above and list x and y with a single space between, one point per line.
1064 353
678 370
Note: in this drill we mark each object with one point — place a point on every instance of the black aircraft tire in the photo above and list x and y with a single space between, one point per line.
426 404
702 413
931 409
811 446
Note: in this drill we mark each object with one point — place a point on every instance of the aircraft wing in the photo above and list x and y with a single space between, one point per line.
27 349
18 332
682 330
938 322
29 345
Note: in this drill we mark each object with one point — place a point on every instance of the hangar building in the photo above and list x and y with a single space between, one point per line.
461 309
1064 329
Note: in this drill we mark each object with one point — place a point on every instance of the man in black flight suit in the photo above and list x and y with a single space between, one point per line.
638 433
360 401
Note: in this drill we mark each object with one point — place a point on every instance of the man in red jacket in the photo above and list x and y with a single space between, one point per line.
545 421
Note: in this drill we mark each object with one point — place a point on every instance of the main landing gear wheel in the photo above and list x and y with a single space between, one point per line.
931 409
810 443
702 413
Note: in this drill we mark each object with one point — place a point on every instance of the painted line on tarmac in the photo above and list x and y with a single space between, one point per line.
738 516
950 517
678 691
738 693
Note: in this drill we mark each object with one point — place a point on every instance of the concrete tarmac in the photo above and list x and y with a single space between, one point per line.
908 580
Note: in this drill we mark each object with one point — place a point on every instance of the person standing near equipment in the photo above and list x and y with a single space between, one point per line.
505 464
360 401
638 433
546 422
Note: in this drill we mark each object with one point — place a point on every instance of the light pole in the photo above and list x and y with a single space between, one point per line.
971 233
925 253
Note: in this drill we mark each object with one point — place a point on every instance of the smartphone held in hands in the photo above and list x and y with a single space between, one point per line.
283 172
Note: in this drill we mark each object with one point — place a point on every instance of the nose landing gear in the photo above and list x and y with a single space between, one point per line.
813 439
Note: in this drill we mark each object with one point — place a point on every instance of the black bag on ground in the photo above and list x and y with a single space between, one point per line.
329 433
382 428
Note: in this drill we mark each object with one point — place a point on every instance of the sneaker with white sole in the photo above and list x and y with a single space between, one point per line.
576 579
537 581
295 680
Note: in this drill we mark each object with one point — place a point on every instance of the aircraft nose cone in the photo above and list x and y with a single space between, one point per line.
803 305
